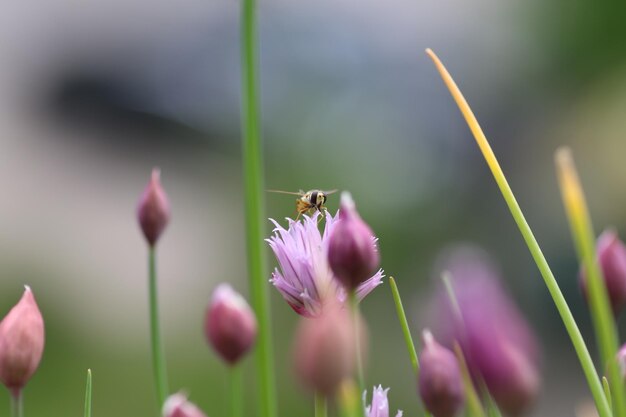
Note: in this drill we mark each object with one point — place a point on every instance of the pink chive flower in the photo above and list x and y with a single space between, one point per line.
304 277
153 210
230 325
611 254
380 404
177 405
21 343
352 252
621 360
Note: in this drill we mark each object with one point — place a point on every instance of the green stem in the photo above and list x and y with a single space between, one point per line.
607 390
406 331
88 395
354 304
321 405
236 391
542 264
158 358
17 404
584 239
253 185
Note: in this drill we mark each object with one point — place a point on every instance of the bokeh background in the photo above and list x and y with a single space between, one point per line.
94 94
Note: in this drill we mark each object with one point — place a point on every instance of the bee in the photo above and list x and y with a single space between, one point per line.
310 201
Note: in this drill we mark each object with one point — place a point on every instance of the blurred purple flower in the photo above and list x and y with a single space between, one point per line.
499 346
177 405
380 404
305 279
611 254
621 360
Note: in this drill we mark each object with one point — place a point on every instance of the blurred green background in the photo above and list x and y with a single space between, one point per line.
94 94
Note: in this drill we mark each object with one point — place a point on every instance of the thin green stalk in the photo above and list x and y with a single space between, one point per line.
321 405
584 239
88 395
607 391
472 401
406 331
17 404
253 185
158 357
236 391
354 304
553 287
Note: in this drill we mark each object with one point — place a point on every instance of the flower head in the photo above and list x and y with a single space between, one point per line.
177 405
21 342
153 211
352 253
611 254
380 404
497 343
440 383
230 325
305 279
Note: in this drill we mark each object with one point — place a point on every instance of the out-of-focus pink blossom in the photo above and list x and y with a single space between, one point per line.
380 404
498 345
611 254
177 405
153 210
21 343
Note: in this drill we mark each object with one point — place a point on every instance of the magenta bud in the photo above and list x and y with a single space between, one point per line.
352 253
21 342
177 405
611 254
230 325
325 350
153 211
440 383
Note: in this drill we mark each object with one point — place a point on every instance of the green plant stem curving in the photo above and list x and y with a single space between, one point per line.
158 357
254 212
542 264
404 324
584 240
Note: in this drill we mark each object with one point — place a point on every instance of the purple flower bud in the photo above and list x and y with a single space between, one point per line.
153 211
440 382
230 324
325 349
177 405
352 253
611 254
498 345
21 343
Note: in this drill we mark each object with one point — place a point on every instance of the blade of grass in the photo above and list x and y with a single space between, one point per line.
472 401
584 240
88 395
253 185
542 264
406 331
607 390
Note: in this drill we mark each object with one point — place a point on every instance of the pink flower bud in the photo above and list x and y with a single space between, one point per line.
611 254
153 211
325 349
230 325
352 253
177 405
621 360
440 383
21 343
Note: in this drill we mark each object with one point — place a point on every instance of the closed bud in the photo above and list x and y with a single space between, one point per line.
177 405
611 255
153 211
21 343
352 253
440 383
230 325
325 350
